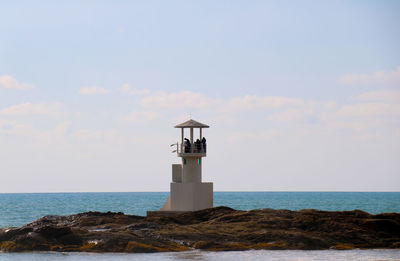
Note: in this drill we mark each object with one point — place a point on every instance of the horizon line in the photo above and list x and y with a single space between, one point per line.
240 191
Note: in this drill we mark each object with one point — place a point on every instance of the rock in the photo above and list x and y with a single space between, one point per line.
216 229
384 225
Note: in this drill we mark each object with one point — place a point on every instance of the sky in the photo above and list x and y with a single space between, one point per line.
299 95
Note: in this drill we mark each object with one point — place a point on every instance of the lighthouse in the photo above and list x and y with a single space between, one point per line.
187 190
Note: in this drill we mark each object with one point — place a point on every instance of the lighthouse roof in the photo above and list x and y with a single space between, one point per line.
192 124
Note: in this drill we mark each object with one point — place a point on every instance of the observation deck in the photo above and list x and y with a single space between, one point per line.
189 148
194 150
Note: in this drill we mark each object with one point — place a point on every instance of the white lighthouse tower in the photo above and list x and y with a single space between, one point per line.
188 192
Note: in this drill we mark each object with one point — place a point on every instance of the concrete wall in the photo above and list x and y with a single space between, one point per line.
191 170
187 192
167 205
191 196
177 173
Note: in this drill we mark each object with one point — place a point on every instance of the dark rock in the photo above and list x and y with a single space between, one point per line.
52 231
13 232
217 229
384 225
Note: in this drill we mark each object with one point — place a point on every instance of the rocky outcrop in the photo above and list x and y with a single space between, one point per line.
216 229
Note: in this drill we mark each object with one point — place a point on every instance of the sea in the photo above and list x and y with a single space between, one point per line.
21 208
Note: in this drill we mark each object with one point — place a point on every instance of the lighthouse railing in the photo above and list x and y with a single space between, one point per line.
191 148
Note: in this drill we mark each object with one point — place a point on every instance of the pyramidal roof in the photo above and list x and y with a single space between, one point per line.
192 124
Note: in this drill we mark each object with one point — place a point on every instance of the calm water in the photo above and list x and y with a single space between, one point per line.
19 209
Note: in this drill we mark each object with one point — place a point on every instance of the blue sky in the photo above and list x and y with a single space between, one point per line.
300 95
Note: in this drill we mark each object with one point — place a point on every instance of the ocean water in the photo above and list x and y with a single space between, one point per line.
252 255
20 209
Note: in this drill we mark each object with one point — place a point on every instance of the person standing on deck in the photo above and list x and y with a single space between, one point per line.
203 141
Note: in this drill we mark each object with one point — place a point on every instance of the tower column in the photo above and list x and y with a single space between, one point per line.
182 134
191 170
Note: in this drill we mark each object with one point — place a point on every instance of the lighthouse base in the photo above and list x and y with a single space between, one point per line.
164 213
189 197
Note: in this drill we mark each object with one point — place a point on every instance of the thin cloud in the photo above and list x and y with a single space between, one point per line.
9 82
26 109
177 100
369 110
255 103
187 100
385 78
245 136
142 116
291 115
94 135
366 112
388 96
93 90
126 88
